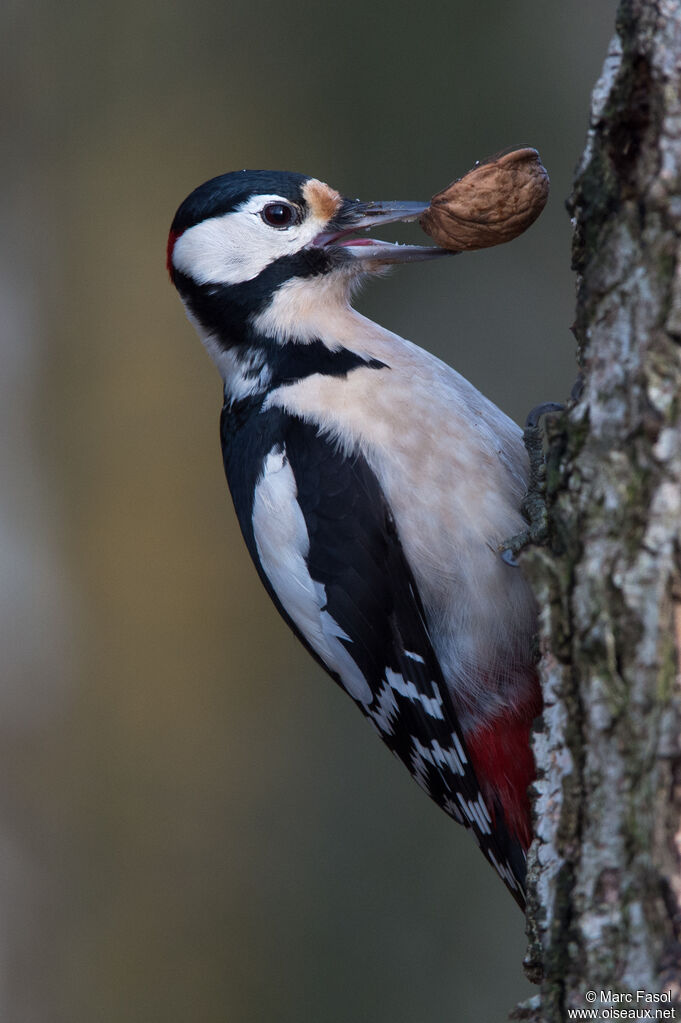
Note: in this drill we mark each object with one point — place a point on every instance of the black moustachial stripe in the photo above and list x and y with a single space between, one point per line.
226 313
226 310
268 365
292 362
355 553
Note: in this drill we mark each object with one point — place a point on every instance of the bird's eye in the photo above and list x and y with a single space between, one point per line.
278 214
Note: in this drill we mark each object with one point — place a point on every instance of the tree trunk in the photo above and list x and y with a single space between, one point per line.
605 880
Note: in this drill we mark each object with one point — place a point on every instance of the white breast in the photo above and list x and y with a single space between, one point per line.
453 468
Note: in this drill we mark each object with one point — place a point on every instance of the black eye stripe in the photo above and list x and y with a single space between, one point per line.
279 215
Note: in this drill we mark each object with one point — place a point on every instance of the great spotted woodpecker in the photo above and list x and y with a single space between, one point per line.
373 486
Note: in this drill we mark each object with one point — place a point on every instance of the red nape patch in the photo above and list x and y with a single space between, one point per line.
502 758
172 238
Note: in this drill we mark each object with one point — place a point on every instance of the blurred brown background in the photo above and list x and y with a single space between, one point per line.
196 825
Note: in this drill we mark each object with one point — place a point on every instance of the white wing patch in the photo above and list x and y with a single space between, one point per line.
283 544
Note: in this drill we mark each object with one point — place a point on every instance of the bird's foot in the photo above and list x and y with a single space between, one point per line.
533 505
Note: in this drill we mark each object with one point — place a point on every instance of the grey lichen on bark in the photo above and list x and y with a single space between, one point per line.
605 877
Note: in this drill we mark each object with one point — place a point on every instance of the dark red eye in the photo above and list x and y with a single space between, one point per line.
278 214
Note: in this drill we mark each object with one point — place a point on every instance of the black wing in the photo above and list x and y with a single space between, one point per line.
370 601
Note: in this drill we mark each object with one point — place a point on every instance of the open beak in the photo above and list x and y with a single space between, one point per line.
356 216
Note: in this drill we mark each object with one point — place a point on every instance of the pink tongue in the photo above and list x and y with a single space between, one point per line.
359 241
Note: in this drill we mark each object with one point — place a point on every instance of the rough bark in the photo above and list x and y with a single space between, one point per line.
605 878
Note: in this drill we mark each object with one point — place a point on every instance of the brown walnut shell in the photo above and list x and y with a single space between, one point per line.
496 201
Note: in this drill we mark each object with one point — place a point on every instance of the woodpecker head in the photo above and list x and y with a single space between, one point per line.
243 240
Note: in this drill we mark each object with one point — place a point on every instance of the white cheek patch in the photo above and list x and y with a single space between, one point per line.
237 246
283 544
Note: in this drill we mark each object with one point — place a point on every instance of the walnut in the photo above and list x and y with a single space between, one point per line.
496 201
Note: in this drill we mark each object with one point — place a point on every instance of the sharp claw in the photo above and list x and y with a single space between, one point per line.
535 414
